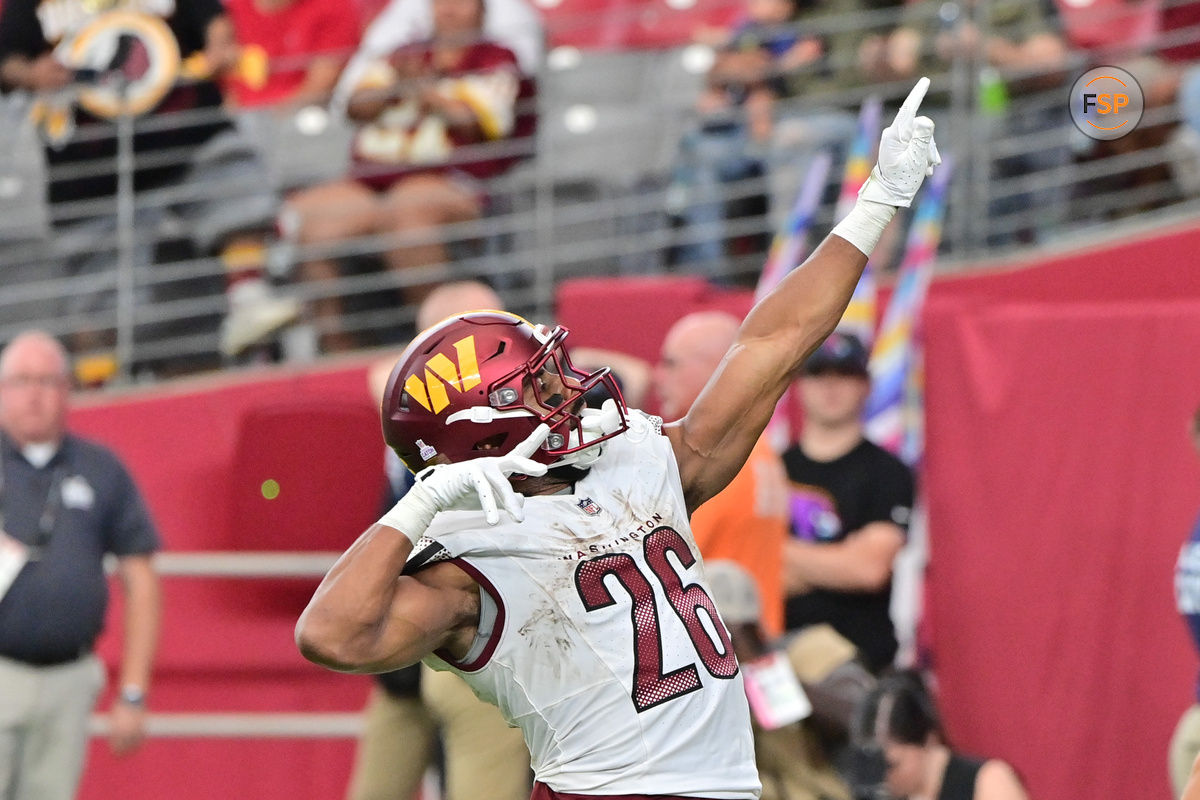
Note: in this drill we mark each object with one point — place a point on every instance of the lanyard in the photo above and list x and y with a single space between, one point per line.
50 505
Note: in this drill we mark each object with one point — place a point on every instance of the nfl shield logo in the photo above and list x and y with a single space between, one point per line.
589 507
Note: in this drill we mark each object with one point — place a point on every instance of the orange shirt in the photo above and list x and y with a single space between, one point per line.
747 523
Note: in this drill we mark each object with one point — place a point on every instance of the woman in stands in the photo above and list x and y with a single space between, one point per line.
899 733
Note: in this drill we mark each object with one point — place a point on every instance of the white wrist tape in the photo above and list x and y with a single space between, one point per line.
412 515
863 226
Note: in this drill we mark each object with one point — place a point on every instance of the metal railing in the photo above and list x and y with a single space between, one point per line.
242 565
596 196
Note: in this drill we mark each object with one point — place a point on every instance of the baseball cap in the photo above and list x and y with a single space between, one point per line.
734 592
843 353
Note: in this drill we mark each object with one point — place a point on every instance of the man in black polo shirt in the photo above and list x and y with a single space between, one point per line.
64 503
851 502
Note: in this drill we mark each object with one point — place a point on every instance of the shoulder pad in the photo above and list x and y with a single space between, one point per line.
426 553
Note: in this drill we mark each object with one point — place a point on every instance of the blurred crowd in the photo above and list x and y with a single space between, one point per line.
308 147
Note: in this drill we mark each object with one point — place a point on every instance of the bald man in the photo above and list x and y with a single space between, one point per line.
64 503
454 298
449 299
747 521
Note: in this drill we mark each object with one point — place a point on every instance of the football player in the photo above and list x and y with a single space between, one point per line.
544 553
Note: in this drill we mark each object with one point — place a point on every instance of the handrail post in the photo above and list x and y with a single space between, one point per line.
126 243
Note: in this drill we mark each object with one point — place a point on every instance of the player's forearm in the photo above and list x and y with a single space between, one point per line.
342 627
804 308
143 611
808 304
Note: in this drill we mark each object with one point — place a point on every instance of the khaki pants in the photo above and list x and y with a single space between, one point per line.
44 727
395 748
792 766
1185 745
485 758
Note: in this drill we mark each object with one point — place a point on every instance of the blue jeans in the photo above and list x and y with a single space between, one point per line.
712 157
709 158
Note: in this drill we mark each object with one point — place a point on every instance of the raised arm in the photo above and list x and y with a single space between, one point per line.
713 440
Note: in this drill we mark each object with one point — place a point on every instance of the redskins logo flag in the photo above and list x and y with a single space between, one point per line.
136 63
136 55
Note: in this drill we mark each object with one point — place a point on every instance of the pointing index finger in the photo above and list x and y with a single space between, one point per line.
532 442
908 110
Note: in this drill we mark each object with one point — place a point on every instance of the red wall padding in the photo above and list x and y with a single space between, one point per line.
633 315
227 644
1060 484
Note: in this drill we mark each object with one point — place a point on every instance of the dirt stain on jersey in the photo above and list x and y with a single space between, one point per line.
544 636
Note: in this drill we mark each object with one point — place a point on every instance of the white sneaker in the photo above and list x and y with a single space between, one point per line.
255 312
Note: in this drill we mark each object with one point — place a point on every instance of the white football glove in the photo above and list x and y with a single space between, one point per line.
593 424
597 422
478 484
907 153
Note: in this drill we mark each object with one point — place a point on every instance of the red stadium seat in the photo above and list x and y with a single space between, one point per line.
1109 24
632 315
326 464
620 24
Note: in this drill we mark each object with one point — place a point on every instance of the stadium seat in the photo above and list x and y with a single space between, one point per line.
609 24
301 148
615 76
326 464
598 121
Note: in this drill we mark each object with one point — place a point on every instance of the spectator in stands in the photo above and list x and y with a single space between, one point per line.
792 762
766 111
751 66
633 375
850 507
515 24
736 111
292 51
427 114
899 732
1168 91
1185 743
409 708
72 61
822 112
1021 38
64 503
747 521
1023 54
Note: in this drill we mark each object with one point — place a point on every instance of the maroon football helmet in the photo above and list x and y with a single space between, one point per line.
477 384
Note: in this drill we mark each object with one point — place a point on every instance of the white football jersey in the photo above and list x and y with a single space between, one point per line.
599 638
